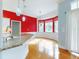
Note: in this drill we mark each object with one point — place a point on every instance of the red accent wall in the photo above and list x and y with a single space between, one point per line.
30 25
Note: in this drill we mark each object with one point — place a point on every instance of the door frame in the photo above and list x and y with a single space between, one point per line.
19 25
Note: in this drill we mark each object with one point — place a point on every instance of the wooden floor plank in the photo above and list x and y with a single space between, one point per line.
35 54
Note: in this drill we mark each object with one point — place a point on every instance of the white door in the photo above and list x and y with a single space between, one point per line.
75 31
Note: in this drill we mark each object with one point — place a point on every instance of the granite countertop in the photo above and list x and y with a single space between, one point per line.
11 43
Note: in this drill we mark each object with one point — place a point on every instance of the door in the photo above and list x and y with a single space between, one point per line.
75 31
16 28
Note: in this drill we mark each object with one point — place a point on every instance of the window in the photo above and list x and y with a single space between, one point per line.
78 3
41 26
75 4
49 26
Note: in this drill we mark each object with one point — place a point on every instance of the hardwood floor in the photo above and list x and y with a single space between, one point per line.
65 54
35 54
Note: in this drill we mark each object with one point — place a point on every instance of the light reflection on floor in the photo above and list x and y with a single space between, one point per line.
47 49
46 46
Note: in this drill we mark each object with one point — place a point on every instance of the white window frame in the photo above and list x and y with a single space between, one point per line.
74 4
41 26
47 26
78 3
56 26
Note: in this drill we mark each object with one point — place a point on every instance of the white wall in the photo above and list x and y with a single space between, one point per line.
5 23
1 15
68 27
51 35
10 5
0 55
64 24
15 53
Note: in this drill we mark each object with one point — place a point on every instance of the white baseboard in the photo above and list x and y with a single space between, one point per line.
74 53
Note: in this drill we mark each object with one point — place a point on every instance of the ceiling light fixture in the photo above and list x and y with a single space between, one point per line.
23 18
18 11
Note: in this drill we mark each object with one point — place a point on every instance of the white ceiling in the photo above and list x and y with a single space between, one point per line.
40 7
32 7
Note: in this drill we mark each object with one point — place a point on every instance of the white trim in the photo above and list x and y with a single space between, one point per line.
19 23
28 32
56 26
76 54
37 25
